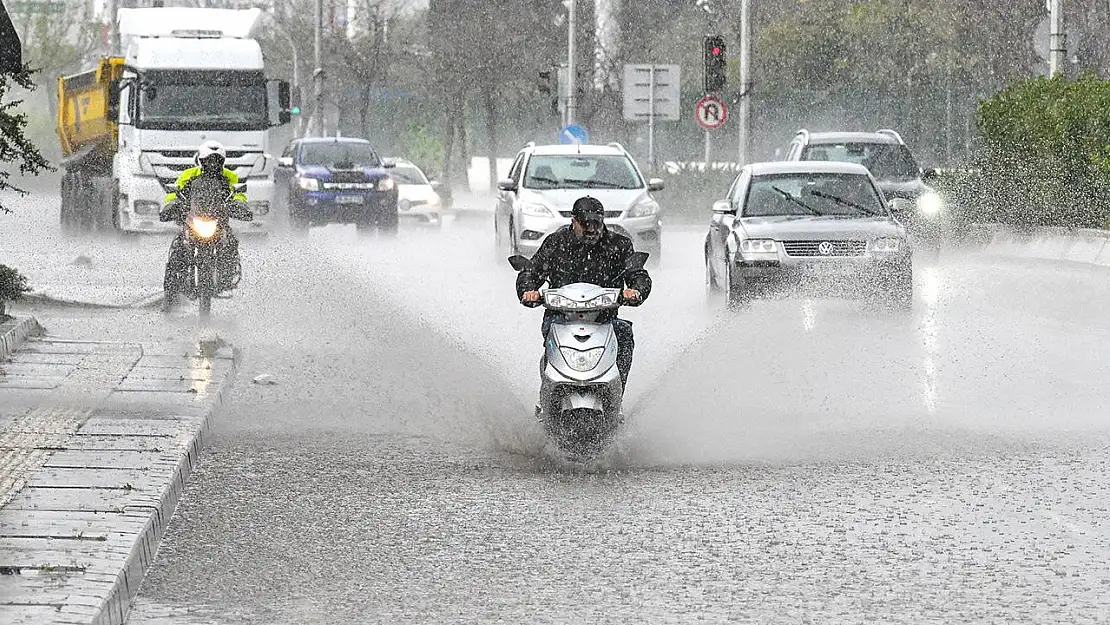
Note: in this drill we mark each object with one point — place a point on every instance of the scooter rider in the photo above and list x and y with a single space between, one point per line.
587 251
209 159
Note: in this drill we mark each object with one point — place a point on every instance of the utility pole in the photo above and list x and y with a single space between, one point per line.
745 80
1056 45
113 18
572 77
318 76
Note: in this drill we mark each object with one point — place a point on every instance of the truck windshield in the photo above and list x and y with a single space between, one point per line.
202 100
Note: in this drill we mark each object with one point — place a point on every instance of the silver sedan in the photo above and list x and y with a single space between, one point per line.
806 224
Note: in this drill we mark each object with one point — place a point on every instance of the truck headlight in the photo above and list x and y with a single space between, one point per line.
309 184
886 245
930 204
582 360
645 208
536 210
750 247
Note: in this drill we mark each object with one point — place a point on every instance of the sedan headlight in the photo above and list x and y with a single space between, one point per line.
645 208
582 360
759 246
536 210
386 184
886 245
309 184
930 204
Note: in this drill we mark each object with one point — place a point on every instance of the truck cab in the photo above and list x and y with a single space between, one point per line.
187 75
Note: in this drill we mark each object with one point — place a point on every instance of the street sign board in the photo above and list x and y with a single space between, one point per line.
574 134
651 92
711 112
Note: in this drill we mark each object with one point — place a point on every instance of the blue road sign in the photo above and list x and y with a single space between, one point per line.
574 134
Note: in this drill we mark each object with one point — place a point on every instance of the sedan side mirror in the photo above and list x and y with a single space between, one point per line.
723 207
655 184
507 185
285 161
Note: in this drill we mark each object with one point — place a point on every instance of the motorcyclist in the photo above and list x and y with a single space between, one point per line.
209 161
587 251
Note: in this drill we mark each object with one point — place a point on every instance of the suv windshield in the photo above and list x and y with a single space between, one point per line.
812 194
581 171
339 155
887 161
407 174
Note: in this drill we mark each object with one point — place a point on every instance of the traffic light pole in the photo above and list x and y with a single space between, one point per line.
745 80
572 77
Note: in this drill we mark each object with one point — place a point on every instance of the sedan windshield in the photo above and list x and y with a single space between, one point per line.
886 161
812 194
581 171
339 155
405 174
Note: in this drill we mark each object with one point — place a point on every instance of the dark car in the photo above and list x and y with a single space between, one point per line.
893 166
335 180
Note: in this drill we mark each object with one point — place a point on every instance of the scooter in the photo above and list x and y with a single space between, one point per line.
580 401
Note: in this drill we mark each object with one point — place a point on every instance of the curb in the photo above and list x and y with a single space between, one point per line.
149 301
117 605
13 336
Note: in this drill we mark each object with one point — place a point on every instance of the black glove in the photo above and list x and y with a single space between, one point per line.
171 212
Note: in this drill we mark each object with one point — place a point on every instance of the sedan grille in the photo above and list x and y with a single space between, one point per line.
825 248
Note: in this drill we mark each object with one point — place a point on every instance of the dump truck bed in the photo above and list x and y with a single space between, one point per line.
86 113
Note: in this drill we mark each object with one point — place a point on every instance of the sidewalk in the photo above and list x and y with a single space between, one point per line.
97 441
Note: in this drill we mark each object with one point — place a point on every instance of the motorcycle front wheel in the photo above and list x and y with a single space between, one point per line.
205 279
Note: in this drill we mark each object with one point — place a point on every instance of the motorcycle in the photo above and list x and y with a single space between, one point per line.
203 209
580 400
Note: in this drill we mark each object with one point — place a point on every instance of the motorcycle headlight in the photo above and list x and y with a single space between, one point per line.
309 184
536 210
930 204
759 246
203 227
886 245
582 360
386 184
645 208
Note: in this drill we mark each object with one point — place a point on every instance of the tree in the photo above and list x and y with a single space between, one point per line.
14 146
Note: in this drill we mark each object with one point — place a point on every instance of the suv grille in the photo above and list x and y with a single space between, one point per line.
608 214
825 248
348 176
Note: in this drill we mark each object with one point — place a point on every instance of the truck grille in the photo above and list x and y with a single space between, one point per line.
231 154
825 248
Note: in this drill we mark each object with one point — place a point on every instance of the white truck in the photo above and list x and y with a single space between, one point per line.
186 75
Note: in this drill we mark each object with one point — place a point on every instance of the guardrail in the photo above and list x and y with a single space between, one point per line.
1079 245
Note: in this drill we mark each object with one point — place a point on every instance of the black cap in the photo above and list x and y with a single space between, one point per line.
588 208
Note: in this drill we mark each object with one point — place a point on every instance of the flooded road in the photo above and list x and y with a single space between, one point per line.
804 461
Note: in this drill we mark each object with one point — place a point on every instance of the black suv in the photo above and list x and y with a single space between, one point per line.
892 165
325 180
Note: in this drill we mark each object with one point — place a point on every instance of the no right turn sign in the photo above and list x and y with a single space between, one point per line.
711 112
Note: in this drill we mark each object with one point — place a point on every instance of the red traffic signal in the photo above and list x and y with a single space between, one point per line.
716 67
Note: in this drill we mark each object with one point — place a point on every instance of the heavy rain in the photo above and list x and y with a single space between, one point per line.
265 358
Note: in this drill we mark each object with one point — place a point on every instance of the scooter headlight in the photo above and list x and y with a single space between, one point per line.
203 227
582 360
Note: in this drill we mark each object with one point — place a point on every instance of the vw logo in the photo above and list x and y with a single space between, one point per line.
825 248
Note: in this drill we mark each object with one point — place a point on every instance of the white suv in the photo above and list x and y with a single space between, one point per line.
544 182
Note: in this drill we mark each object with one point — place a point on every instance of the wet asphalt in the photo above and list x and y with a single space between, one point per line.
806 461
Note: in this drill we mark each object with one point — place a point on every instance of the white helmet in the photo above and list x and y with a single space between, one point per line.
208 148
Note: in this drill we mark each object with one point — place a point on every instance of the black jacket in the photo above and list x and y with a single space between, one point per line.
562 259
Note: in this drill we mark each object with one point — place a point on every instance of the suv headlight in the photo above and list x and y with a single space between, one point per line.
930 204
886 245
582 360
750 247
536 210
645 208
309 184
386 184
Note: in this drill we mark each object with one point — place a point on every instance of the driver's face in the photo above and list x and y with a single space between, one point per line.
588 231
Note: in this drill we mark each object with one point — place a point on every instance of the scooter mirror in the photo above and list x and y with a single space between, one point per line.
636 261
519 263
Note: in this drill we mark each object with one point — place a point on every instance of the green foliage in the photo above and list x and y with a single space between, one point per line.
12 285
418 144
14 145
1046 153
690 190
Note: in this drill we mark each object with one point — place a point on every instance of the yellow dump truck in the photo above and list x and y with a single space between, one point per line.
133 123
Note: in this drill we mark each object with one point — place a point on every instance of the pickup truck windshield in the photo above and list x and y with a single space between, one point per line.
203 100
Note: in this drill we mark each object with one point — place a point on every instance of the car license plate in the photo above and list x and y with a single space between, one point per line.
349 199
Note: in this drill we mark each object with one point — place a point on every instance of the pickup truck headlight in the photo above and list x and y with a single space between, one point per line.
536 210
930 204
749 247
309 184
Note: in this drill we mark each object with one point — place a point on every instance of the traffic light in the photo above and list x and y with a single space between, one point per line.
716 68
295 108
